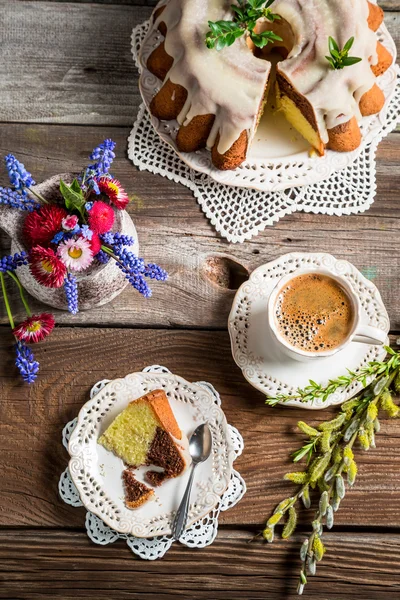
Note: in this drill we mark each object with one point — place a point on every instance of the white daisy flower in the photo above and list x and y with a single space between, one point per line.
75 254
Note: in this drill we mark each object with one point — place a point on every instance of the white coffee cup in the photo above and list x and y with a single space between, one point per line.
365 334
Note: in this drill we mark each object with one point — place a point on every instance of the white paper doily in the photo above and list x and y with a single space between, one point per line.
198 535
239 213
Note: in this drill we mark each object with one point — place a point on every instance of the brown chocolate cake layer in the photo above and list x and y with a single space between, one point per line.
163 453
136 493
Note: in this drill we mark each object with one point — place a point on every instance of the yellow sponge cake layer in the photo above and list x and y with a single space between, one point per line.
296 118
130 435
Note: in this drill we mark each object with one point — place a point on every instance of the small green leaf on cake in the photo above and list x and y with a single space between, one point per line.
245 16
339 59
222 33
262 39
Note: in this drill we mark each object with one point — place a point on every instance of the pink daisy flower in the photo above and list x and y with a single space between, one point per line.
35 328
46 267
69 222
76 254
115 192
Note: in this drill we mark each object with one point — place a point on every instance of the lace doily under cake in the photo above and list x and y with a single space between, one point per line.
239 213
200 534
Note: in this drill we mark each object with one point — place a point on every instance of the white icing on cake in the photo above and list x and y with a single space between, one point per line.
230 83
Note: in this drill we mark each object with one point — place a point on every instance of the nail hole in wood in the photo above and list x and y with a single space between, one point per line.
225 272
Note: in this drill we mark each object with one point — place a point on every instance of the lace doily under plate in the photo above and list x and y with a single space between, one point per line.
198 535
239 213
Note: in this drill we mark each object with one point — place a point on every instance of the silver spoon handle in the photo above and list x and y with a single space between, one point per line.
179 524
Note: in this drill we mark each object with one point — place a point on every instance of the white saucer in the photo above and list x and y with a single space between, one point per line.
96 472
263 363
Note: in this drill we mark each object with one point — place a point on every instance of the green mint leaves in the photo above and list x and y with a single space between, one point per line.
246 14
339 59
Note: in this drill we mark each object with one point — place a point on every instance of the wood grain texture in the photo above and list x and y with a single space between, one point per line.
72 360
390 5
54 71
173 231
67 565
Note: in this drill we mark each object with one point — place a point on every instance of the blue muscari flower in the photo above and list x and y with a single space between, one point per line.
129 259
92 183
71 293
135 269
155 272
9 197
11 262
139 283
117 239
20 178
86 232
58 237
26 363
103 257
89 206
103 155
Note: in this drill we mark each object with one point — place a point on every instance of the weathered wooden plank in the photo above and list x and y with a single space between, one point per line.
58 564
391 5
72 360
174 232
71 63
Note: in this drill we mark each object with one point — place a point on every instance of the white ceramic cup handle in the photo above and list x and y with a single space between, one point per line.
366 334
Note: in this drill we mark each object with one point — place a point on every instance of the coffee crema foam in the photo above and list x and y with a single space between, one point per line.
314 313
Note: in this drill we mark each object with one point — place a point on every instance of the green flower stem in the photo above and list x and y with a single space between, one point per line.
6 302
111 253
38 196
21 292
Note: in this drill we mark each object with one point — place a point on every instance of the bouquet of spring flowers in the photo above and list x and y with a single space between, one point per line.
64 239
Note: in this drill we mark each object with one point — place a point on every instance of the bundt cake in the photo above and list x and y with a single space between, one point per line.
147 433
218 96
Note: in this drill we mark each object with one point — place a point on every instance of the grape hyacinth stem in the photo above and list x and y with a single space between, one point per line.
21 292
6 302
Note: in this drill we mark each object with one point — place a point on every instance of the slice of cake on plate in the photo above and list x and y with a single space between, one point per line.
147 433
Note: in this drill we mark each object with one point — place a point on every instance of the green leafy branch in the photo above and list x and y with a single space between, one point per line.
339 59
330 457
315 391
246 14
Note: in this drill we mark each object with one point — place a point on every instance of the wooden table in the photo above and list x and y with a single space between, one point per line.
68 82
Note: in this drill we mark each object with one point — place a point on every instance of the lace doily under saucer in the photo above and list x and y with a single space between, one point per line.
265 366
198 535
346 182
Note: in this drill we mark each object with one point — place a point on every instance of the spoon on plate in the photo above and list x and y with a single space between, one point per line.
200 445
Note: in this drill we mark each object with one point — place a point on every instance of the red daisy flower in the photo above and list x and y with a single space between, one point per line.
40 226
95 244
35 328
101 217
114 190
46 267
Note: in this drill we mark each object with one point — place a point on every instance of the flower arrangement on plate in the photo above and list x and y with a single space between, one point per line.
65 239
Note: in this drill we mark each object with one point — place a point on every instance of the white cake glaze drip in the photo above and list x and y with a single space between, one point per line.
230 84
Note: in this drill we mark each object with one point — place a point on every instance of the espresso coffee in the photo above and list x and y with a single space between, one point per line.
314 313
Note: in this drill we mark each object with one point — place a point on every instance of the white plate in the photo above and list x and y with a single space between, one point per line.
279 157
96 472
262 362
